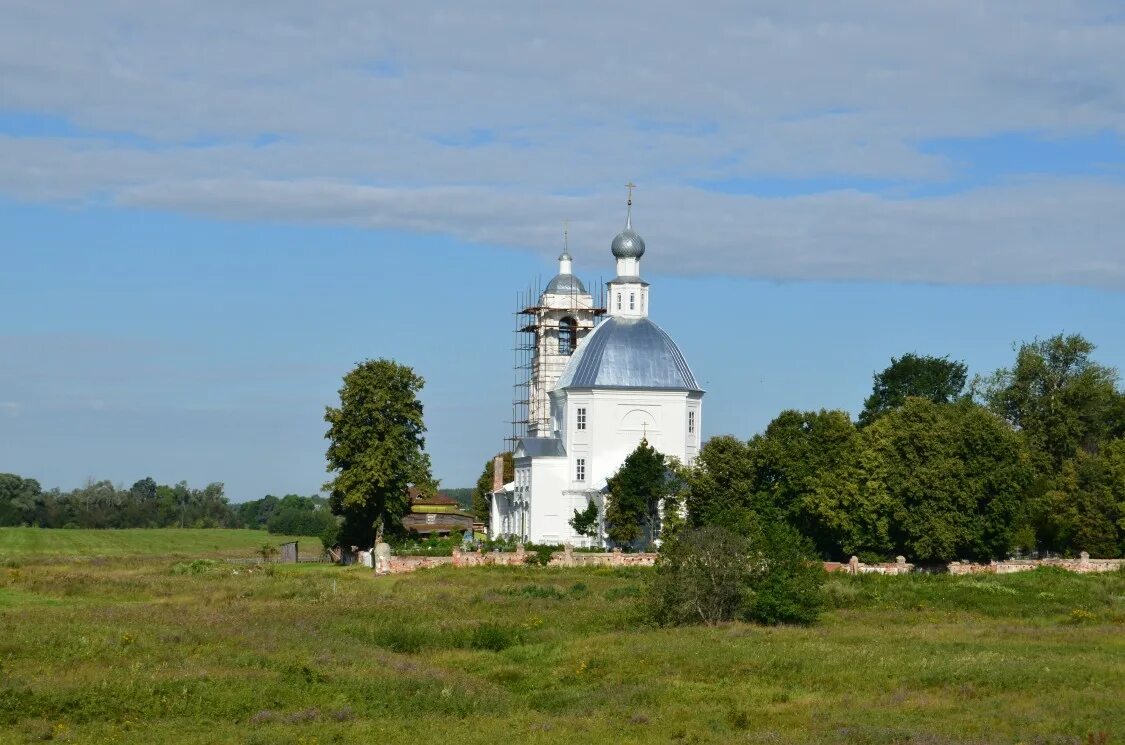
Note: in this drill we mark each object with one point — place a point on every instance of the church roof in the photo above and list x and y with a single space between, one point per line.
628 353
565 284
627 280
536 447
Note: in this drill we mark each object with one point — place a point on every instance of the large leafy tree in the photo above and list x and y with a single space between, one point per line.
484 485
376 449
720 485
784 474
938 379
635 493
948 480
795 458
1058 397
1082 506
18 499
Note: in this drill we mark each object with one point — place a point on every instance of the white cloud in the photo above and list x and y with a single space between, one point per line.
576 98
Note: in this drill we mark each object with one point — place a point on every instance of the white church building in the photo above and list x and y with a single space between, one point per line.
609 385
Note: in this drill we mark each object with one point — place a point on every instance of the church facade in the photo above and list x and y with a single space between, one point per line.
608 386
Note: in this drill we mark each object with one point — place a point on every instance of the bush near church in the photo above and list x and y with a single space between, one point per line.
712 575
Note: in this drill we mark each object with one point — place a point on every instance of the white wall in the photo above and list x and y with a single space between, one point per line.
547 490
548 509
616 420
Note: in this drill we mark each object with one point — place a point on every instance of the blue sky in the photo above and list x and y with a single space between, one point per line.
207 217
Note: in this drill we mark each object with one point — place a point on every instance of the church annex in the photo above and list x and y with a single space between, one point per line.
601 379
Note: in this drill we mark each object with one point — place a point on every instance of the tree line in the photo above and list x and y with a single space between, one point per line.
1030 459
146 504
376 454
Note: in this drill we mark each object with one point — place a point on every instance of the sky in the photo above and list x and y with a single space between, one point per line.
209 212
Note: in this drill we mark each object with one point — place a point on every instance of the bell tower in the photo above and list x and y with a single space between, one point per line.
563 316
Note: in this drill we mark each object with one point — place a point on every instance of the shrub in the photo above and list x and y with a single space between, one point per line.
787 579
267 551
493 637
540 554
403 639
628 591
330 535
711 575
701 577
199 566
543 592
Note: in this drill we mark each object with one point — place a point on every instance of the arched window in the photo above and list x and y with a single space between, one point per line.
568 336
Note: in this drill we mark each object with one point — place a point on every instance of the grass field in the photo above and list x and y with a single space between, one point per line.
195 542
166 650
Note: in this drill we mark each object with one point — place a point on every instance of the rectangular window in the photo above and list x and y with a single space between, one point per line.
580 469
619 301
691 422
580 418
632 301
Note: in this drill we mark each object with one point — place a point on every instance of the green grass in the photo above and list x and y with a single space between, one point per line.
23 543
132 650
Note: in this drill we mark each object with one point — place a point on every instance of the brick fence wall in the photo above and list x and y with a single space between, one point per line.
565 558
568 558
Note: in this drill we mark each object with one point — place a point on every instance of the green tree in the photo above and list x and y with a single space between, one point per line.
294 521
947 481
208 508
795 459
484 485
256 513
140 505
463 496
376 449
1082 506
938 379
330 536
1058 397
787 472
585 522
635 492
718 487
18 499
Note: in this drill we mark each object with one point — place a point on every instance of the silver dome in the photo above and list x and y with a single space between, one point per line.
628 245
628 353
565 284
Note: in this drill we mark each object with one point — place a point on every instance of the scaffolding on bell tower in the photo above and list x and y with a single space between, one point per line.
543 346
